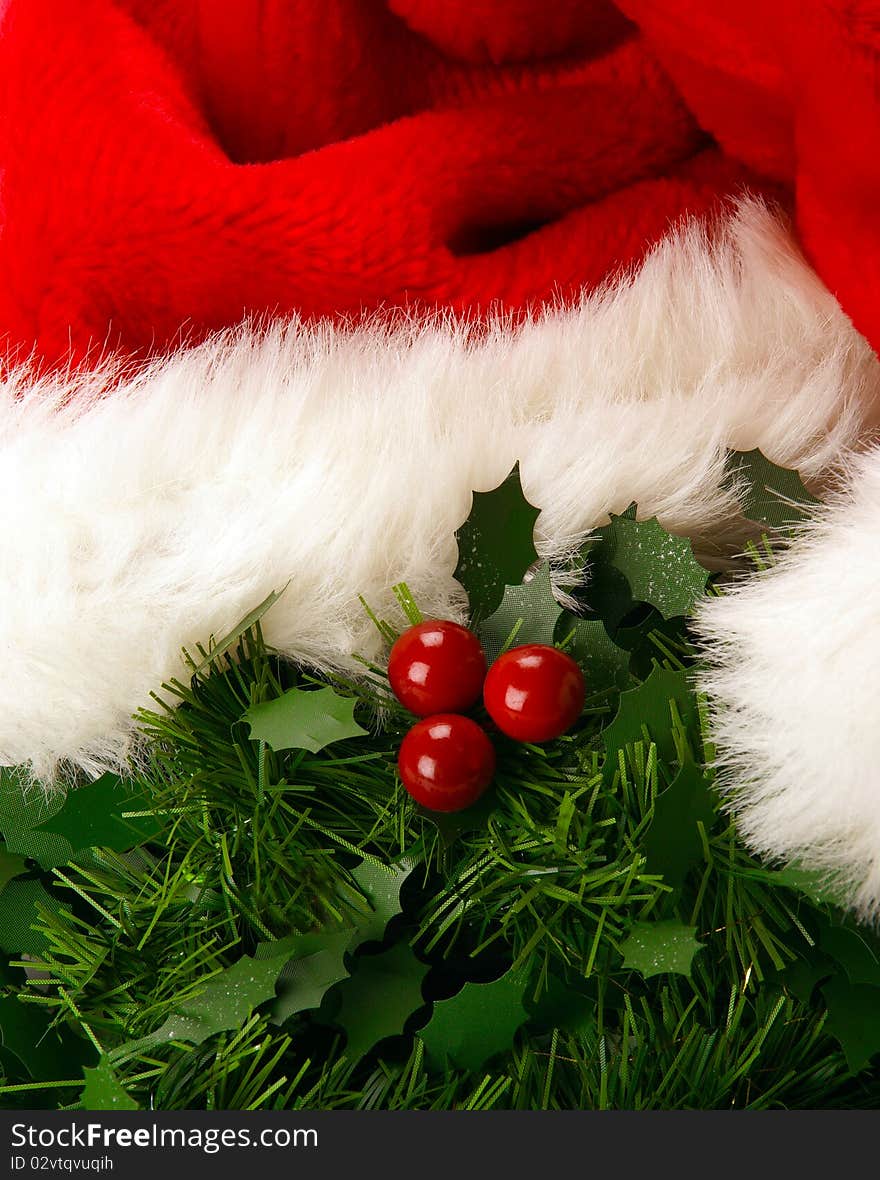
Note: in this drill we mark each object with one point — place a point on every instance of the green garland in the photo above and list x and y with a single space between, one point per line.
260 918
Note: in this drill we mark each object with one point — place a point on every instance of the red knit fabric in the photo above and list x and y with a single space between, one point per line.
171 165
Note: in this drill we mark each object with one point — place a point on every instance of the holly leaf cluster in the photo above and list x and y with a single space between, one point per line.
54 829
228 998
320 960
625 565
293 974
108 813
843 970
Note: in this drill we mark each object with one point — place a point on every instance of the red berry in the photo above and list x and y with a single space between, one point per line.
534 693
446 762
437 667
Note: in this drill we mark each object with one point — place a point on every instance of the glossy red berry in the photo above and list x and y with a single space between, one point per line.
437 667
534 693
446 762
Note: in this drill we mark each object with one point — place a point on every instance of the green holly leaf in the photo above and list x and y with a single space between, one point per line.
496 544
853 1020
23 807
634 561
658 710
11 866
96 816
103 1090
381 886
769 495
801 976
655 948
672 843
528 613
563 1005
379 998
23 804
23 1029
854 948
818 885
304 719
478 1022
605 665
20 906
228 998
43 1050
318 964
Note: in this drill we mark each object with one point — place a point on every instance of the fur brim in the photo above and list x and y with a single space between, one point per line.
793 672
336 462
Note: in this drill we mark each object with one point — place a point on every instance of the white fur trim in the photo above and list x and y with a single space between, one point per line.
340 462
794 674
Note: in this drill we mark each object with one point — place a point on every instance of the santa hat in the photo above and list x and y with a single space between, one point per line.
280 284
